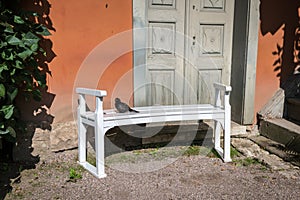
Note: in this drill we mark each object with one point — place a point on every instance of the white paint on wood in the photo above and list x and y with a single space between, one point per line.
162 37
197 13
220 112
209 48
206 79
212 4
185 36
162 87
162 3
165 52
212 39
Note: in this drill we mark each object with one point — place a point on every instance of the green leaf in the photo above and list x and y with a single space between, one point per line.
8 111
42 30
34 47
2 90
7 55
12 95
18 20
3 66
12 131
13 40
13 72
4 132
9 29
18 65
30 39
30 35
3 44
25 54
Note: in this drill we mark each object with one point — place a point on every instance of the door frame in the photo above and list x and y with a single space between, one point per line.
242 97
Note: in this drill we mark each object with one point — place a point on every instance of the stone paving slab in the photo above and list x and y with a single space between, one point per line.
278 149
251 149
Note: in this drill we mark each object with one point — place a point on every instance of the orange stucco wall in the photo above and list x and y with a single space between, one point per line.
80 27
276 59
267 83
87 36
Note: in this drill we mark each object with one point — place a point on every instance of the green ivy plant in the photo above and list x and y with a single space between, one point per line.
20 72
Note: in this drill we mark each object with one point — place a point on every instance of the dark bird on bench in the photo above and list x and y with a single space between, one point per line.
123 107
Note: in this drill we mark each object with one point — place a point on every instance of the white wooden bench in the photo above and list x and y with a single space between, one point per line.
103 120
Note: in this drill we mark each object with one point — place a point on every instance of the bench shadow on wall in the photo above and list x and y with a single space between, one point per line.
34 113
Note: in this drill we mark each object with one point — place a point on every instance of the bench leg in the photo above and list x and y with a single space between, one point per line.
217 135
81 141
99 147
227 133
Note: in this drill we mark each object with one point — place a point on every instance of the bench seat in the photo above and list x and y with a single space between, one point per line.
153 114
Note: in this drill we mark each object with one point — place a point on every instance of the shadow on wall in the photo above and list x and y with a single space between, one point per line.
34 112
274 15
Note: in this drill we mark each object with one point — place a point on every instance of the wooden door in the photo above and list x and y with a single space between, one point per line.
209 48
165 52
188 47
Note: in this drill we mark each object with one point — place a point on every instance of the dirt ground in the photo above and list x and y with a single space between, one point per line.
148 174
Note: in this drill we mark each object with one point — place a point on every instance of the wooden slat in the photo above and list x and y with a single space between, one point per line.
162 118
92 92
163 110
88 121
166 113
174 107
158 111
223 87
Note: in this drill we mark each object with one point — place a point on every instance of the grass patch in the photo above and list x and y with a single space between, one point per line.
158 153
250 161
91 159
209 152
195 150
192 151
234 152
213 154
150 151
75 174
247 162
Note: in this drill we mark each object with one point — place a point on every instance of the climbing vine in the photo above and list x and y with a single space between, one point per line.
20 73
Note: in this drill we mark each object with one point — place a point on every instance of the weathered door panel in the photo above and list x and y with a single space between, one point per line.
188 47
209 48
164 57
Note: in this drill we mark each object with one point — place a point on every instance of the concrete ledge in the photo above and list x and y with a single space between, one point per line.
277 149
293 109
281 131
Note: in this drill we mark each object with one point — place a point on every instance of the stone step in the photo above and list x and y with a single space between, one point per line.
277 149
281 131
293 109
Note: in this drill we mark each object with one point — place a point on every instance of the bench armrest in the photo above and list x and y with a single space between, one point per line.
92 92
99 94
222 95
223 87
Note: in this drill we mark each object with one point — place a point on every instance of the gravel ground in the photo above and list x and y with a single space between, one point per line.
186 177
